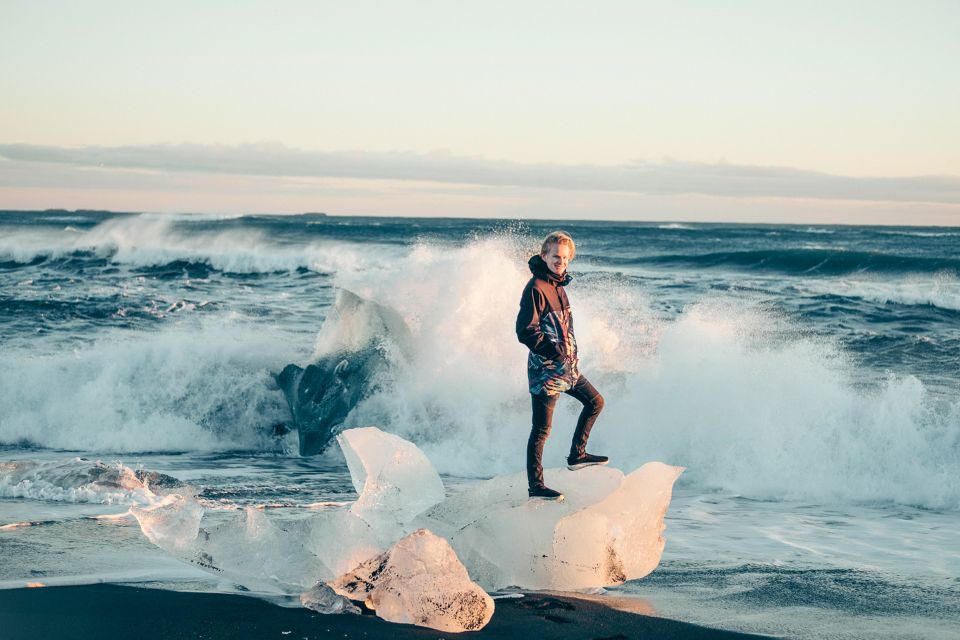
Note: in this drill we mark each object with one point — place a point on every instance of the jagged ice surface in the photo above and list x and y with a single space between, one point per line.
420 581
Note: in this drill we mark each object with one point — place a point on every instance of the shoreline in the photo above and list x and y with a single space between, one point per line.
115 611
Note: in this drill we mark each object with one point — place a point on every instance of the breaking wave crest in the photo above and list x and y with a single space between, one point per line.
803 261
200 388
79 480
941 291
153 240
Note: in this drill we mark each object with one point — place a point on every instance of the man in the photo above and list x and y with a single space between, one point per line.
545 326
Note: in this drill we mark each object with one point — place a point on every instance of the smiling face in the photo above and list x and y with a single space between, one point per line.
557 257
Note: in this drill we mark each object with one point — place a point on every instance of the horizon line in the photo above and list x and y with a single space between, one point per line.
561 221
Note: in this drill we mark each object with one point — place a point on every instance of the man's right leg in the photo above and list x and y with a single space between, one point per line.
592 406
542 419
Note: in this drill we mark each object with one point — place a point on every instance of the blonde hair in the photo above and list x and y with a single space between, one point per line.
557 238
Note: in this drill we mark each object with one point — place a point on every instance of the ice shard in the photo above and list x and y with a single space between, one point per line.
172 523
394 478
419 581
261 553
339 539
395 482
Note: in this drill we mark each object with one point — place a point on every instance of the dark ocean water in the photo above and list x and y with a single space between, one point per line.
808 377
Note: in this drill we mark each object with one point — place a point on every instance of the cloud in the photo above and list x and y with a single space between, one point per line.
657 179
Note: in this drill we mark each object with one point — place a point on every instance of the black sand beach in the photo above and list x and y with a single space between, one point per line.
112 611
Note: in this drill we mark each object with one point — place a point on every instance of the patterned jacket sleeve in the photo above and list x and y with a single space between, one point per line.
532 306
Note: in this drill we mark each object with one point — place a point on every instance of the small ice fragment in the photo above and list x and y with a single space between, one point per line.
420 581
323 599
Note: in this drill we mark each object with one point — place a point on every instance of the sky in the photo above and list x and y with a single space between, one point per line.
771 111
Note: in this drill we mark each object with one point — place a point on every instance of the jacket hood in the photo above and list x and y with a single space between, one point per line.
540 270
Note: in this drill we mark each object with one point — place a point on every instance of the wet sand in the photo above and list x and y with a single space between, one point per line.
112 611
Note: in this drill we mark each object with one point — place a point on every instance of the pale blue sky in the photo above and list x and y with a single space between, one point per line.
820 110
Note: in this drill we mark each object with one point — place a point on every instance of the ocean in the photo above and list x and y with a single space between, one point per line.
807 378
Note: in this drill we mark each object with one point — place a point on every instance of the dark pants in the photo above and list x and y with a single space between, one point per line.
543 417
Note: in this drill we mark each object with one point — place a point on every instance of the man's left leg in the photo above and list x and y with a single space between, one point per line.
592 406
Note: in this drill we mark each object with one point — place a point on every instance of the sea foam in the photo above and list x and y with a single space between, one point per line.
74 480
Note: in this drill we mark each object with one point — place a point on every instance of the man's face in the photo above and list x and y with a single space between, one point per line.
557 258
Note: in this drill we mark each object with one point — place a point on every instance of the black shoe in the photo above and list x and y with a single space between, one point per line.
546 493
586 460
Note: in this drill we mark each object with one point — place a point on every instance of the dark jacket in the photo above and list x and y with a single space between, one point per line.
545 326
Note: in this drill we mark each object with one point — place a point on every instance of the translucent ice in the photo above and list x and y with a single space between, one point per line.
419 581
258 552
323 599
607 531
395 482
394 478
341 540
172 523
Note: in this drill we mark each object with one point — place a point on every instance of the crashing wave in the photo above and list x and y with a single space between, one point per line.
82 480
359 341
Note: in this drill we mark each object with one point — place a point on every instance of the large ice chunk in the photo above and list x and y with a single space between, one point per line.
607 531
419 581
395 482
394 478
